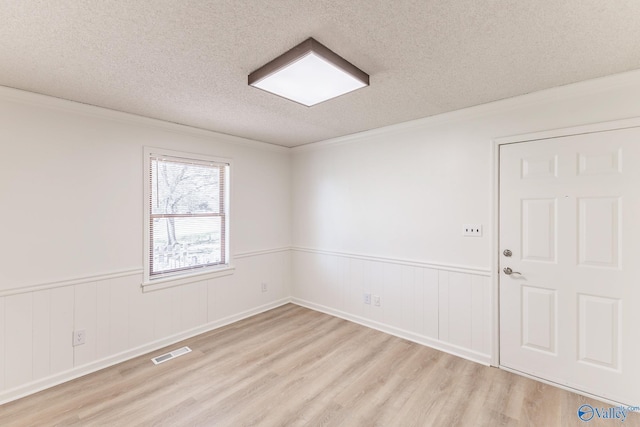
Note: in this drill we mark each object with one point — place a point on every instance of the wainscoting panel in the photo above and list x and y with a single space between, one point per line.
446 308
120 321
42 352
3 340
18 323
61 322
85 304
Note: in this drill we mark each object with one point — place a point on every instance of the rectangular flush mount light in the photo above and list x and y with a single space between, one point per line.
309 74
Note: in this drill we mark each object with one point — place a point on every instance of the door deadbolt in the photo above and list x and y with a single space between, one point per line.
507 252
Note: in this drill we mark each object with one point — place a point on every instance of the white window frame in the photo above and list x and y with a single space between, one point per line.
186 276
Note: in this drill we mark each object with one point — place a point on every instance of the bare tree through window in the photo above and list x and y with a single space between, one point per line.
188 214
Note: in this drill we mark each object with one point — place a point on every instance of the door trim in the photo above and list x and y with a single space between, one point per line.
495 213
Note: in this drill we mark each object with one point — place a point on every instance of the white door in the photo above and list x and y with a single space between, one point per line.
570 215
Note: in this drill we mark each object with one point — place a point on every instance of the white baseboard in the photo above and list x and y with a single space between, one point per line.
474 356
71 374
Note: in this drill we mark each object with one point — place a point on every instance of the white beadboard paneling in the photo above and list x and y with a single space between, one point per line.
374 283
219 295
167 314
119 314
431 302
481 314
344 268
317 277
394 303
287 268
212 298
443 305
42 335
298 269
265 269
489 307
7 395
244 290
2 343
85 298
193 309
329 282
62 301
103 314
477 314
273 270
460 309
280 272
18 339
419 312
141 309
408 335
407 304
118 317
304 265
449 309
356 286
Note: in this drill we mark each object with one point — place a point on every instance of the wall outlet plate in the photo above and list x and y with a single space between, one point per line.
472 230
366 297
264 287
376 300
79 337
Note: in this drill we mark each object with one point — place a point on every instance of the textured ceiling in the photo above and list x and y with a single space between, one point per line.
188 61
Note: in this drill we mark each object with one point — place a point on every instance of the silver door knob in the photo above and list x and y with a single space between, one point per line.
508 271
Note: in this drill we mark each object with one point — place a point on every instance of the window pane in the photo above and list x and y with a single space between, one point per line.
182 188
179 243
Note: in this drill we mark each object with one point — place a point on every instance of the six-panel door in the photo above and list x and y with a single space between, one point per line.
570 214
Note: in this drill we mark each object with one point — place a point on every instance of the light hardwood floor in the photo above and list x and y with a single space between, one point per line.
296 367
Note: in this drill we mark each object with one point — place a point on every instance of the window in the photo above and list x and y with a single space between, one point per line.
187 223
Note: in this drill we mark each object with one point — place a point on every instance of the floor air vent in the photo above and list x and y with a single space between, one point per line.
172 355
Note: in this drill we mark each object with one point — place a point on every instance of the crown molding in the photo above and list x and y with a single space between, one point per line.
557 93
65 105
531 99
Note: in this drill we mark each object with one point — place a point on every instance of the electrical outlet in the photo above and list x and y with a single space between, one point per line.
376 300
264 287
367 297
79 337
472 230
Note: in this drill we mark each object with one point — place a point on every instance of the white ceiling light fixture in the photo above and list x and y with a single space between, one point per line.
309 74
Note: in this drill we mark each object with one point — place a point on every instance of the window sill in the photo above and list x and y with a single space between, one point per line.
183 279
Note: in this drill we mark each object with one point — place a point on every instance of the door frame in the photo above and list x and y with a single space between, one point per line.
495 212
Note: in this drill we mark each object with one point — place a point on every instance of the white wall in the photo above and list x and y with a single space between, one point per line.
71 257
393 201
379 211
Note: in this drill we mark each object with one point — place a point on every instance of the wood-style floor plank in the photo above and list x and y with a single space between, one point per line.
296 367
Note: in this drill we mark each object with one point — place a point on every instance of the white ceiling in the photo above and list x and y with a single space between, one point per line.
188 61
